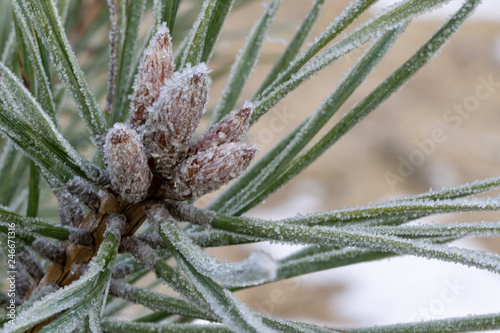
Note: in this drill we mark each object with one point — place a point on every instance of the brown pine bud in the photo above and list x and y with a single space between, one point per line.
231 128
174 117
127 163
208 170
155 68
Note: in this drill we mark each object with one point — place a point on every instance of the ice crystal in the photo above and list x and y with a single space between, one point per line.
48 250
142 252
153 240
184 212
32 265
22 281
83 191
116 225
70 211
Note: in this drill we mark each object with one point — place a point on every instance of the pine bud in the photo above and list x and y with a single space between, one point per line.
231 128
174 117
155 68
208 170
127 163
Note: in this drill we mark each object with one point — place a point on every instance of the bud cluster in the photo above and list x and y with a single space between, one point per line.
166 109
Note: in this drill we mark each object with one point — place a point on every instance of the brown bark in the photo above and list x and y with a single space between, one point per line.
77 256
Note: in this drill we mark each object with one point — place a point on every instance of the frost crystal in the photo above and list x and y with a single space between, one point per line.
153 240
127 163
70 211
120 271
83 191
32 265
188 213
156 67
22 281
142 252
116 224
208 170
174 117
48 250
231 128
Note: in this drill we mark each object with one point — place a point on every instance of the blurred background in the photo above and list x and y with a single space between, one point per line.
440 130
363 167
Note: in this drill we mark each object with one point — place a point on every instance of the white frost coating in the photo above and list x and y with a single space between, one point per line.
173 118
184 212
8 152
62 55
372 29
399 209
198 32
277 40
23 281
30 112
64 298
259 267
31 263
48 250
232 128
116 225
37 63
142 252
70 211
9 46
308 130
121 270
323 38
208 170
94 311
152 239
224 310
83 191
127 163
155 69
476 229
242 66
421 57
345 237
114 38
475 187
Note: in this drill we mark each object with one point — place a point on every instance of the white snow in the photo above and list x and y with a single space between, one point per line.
411 289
